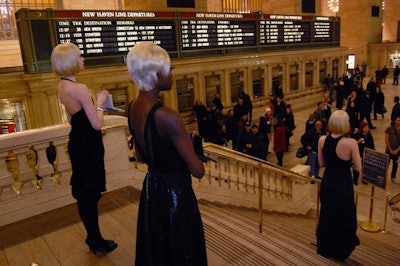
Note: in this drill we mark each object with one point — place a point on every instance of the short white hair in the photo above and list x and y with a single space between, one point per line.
147 62
339 122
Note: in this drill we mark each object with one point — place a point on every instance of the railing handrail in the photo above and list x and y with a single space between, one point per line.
253 161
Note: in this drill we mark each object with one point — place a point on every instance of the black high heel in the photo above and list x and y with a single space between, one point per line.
103 246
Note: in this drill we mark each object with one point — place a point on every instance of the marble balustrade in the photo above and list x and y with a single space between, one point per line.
31 187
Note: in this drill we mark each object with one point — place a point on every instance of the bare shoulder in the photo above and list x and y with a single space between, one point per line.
348 141
168 118
321 140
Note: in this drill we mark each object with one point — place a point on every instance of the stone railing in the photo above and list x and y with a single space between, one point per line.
35 172
35 169
235 179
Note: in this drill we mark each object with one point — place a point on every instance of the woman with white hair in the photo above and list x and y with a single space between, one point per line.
169 228
337 226
85 146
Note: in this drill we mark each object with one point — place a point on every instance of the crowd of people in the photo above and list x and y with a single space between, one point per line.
169 225
239 130
272 131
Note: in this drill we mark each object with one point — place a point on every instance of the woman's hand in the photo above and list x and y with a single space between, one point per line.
102 97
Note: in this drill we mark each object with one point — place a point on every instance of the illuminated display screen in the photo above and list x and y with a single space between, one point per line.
105 37
114 32
209 30
286 29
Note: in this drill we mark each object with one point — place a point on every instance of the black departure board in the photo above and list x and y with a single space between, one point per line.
105 37
213 30
113 32
323 30
286 29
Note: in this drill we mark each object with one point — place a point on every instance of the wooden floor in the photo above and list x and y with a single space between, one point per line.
232 237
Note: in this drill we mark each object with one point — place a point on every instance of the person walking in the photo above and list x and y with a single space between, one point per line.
392 141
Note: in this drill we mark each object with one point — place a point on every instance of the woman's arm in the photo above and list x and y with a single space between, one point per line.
355 155
171 126
321 143
94 113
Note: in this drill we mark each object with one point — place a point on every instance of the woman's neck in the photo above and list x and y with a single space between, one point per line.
336 135
70 79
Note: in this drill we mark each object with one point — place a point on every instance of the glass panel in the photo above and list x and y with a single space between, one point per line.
237 83
12 117
258 83
213 85
8 28
185 94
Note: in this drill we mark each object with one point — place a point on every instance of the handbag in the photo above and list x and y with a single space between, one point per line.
301 152
384 110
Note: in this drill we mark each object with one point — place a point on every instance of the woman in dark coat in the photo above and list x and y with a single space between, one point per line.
379 102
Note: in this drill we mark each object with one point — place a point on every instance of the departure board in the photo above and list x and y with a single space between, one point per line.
323 30
211 30
108 33
105 37
286 29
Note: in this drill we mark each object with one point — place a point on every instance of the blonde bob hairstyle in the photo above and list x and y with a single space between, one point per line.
147 62
339 122
65 59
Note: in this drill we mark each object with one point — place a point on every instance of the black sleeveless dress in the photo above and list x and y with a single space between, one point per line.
336 233
86 152
169 227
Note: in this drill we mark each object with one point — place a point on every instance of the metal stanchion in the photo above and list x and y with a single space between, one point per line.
371 226
386 211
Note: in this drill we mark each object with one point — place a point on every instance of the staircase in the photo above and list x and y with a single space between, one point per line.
232 237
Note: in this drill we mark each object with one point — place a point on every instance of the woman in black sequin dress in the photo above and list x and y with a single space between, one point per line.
169 228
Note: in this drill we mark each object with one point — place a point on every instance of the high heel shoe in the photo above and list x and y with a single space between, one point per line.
103 246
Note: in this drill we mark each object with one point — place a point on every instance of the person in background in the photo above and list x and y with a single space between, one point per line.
364 140
310 142
352 111
200 110
279 108
85 146
396 73
280 145
320 114
385 73
231 127
264 129
310 123
395 110
289 122
278 91
340 93
217 101
169 226
256 146
337 154
244 137
379 102
248 104
392 141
